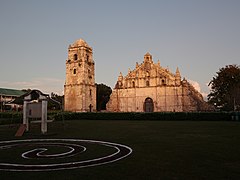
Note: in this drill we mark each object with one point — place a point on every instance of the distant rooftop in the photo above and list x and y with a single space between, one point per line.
11 92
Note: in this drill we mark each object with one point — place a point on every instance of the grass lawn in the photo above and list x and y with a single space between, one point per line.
161 149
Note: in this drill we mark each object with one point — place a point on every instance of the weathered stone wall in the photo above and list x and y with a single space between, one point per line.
151 81
79 88
132 100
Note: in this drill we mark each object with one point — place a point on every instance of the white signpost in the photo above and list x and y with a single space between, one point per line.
36 108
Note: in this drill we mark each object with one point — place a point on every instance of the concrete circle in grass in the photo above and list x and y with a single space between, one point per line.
58 154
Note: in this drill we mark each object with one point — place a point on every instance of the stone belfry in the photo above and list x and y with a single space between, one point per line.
79 88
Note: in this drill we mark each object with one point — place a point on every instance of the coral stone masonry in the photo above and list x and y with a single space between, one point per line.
79 88
152 88
147 88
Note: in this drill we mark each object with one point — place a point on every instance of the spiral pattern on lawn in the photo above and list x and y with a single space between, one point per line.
37 150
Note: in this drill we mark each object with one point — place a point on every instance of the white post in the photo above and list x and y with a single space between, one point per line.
44 117
25 117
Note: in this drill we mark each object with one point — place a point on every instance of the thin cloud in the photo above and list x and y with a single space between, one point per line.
46 85
197 86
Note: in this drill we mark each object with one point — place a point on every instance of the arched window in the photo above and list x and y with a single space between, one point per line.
90 92
75 57
87 58
74 71
147 83
133 84
163 82
90 107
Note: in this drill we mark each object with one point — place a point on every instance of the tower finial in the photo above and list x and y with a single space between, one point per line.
178 77
137 65
177 72
158 63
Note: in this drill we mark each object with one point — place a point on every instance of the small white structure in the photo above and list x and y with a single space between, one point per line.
35 106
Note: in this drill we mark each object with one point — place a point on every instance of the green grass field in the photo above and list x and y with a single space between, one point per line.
161 149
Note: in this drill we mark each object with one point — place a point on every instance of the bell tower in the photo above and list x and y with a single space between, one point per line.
79 88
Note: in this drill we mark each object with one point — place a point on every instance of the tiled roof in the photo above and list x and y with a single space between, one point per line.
11 92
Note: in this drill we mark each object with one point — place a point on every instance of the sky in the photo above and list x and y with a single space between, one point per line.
197 36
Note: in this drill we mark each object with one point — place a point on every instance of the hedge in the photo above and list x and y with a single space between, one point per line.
158 116
10 117
16 117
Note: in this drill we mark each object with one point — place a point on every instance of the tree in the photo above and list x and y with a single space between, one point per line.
225 88
103 96
52 104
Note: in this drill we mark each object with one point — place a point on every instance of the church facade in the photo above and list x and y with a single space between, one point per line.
152 88
79 88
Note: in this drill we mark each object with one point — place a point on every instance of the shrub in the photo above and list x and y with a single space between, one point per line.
10 117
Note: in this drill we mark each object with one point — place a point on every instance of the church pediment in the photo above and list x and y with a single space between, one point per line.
148 73
149 70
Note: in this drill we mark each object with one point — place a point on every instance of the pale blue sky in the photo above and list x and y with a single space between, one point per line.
198 36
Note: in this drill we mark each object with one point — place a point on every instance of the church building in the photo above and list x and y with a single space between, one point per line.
147 88
152 88
79 88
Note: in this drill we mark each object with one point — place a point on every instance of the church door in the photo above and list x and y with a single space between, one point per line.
148 105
